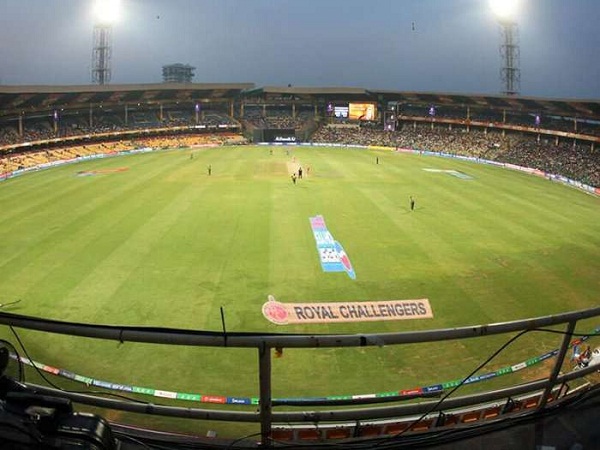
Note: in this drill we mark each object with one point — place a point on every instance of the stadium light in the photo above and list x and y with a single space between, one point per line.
510 53
505 10
107 11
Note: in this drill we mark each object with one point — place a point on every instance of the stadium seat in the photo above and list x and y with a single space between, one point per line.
449 420
282 434
490 413
369 431
395 428
338 433
531 402
422 425
471 417
309 434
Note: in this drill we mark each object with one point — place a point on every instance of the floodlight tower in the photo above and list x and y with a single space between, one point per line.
510 53
106 12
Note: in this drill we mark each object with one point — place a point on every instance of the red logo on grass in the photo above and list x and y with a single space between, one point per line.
275 312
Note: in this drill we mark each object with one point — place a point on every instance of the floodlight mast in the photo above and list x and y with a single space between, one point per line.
101 67
510 52
106 12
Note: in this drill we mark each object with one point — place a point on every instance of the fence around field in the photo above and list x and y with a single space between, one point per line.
368 415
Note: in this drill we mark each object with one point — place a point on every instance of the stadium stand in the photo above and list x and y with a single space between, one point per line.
573 160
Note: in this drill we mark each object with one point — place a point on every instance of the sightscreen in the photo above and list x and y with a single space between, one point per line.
279 135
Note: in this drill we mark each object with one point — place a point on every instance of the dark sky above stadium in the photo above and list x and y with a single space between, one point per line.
360 43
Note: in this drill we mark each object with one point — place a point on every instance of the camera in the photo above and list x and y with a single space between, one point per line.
32 421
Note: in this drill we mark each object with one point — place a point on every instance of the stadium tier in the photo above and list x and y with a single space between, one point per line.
558 136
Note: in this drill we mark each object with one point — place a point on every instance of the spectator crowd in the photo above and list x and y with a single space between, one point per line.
576 161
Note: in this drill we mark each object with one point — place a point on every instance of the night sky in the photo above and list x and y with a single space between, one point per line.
454 46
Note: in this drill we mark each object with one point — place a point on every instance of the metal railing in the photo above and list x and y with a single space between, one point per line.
264 344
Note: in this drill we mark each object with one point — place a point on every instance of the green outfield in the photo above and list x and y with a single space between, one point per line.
154 240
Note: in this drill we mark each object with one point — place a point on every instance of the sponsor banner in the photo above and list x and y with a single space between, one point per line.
519 366
238 401
331 253
387 394
548 355
414 391
189 397
280 144
50 369
406 150
102 384
538 173
473 379
487 376
340 397
285 138
85 380
213 399
503 371
204 145
121 387
451 384
255 400
66 374
332 312
532 361
434 388
142 390
297 400
478 378
527 170
363 396
165 394
325 144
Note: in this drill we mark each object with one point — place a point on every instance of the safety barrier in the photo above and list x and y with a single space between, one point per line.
363 419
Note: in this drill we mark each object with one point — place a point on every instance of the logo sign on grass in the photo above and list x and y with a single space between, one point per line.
454 173
86 173
331 253
294 313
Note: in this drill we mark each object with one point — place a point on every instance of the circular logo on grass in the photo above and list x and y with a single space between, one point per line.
275 312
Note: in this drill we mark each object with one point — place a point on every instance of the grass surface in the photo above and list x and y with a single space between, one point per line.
165 244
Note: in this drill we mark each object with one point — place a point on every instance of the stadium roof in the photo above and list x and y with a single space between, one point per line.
31 98
563 107
309 93
14 99
308 90
546 106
